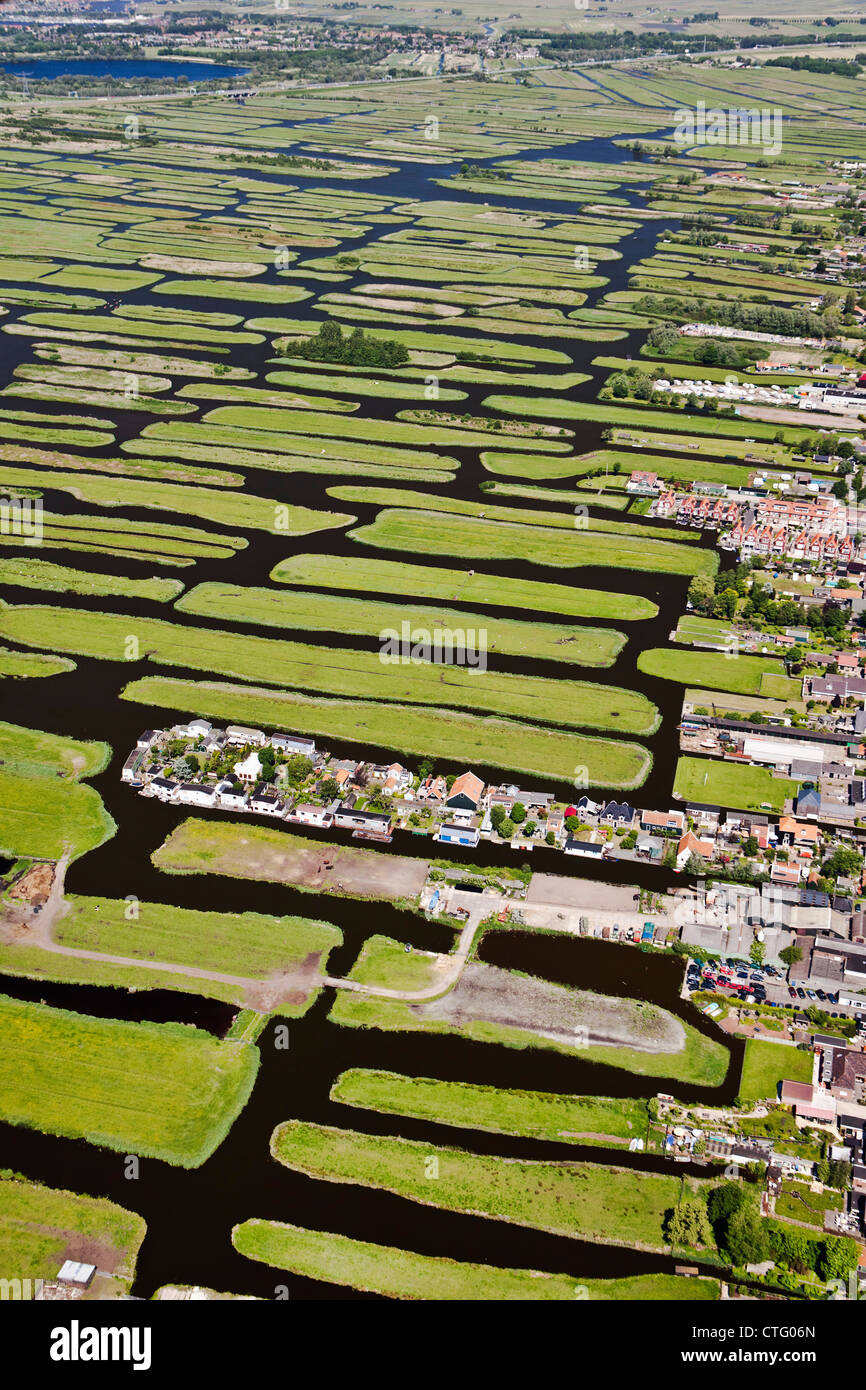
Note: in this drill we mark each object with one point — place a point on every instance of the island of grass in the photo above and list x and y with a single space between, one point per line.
311 612
20 665
161 1090
45 810
503 1007
711 782
285 954
465 586
331 671
423 533
42 574
615 1206
40 1227
531 1114
766 1065
407 729
395 1273
743 675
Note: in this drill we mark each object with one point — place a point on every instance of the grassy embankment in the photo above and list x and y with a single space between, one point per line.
164 1091
395 1273
44 808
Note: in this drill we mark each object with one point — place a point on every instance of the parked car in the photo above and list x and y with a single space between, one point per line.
792 991
811 993
820 993
801 993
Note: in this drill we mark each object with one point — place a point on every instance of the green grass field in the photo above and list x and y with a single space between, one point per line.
421 533
535 1114
583 1200
247 944
160 1090
766 1065
467 586
418 730
404 1274
310 612
739 786
45 810
41 1226
329 671
743 675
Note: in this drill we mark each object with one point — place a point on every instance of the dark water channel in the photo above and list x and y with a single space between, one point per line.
189 1214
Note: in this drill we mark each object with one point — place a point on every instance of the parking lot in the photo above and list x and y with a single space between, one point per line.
745 983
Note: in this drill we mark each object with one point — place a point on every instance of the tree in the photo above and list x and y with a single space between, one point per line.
722 1203
518 813
702 591
746 1241
757 951
837 1256
790 955
298 769
506 828
687 1225
843 863
329 788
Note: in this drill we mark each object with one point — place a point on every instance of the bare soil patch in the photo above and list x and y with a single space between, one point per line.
572 1017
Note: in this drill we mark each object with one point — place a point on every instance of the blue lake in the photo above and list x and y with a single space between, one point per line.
47 68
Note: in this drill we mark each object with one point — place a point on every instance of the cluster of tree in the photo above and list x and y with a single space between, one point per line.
357 350
763 318
478 171
843 863
838 66
505 823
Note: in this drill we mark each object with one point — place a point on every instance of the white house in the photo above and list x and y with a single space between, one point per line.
237 734
307 814
195 794
199 728
232 796
265 802
249 769
293 743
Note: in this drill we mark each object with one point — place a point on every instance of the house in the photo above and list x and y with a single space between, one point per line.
194 794
146 739
590 848
266 802
432 789
240 736
617 813
808 1103
689 844
655 821
132 766
320 816
377 821
466 792
450 834
808 802
292 743
398 779
232 795
199 728
786 874
163 787
249 769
